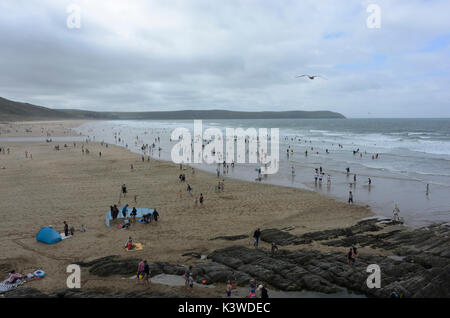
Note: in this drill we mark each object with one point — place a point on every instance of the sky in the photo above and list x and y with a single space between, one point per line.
227 54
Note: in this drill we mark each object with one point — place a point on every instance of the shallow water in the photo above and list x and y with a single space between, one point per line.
241 292
412 153
43 139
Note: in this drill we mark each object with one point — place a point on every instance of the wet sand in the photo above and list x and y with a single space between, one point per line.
56 186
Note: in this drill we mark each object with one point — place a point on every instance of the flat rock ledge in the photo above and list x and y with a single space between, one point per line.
418 264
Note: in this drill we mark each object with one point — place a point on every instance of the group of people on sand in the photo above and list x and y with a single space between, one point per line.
146 218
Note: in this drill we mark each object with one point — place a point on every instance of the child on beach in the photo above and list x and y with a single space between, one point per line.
229 288
350 197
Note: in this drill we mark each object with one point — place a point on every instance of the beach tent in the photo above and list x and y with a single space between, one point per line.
48 235
139 213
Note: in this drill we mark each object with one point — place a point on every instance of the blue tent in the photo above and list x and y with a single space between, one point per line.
48 235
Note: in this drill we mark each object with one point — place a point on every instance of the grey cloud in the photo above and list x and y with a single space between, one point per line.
242 55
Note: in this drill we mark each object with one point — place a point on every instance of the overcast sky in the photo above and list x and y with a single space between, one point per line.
229 54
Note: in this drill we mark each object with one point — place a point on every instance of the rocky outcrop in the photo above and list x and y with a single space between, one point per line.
419 264
111 265
283 238
428 242
230 238
203 272
330 272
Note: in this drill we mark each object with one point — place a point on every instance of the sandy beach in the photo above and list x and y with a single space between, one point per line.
67 185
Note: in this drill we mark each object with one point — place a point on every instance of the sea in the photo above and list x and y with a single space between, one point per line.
402 157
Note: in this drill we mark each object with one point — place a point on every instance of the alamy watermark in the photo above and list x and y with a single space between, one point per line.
208 146
374 279
74 18
74 279
374 19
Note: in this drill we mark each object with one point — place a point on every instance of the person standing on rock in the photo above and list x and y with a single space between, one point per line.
146 273
274 248
396 212
350 258
256 236
140 272
355 252
186 276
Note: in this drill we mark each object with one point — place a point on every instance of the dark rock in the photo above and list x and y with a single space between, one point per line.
24 292
230 238
416 276
283 238
192 254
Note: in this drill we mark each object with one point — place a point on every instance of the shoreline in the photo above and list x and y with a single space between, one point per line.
387 190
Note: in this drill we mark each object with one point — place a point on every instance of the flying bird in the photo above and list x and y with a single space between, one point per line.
311 77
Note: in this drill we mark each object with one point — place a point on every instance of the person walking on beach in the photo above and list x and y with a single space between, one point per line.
201 199
256 236
66 229
124 190
350 197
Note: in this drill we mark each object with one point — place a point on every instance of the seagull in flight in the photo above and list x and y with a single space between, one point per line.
311 77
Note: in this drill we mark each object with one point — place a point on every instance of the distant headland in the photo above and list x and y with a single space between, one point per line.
17 111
